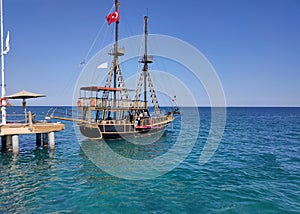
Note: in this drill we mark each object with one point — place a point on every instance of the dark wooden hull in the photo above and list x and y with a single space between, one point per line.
117 131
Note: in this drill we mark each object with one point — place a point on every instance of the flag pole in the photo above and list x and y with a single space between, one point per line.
116 56
3 109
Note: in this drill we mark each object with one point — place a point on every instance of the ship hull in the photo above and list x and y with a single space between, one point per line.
118 131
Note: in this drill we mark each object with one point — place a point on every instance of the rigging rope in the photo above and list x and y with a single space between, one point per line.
98 35
139 64
82 64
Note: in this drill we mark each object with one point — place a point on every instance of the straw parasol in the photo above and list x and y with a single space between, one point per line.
24 95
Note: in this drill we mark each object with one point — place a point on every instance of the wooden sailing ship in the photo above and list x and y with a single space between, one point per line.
108 111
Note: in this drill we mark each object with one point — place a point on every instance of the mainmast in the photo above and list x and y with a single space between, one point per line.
146 60
115 74
146 75
3 109
116 56
116 51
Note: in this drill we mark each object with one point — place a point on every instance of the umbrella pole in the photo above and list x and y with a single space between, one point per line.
24 109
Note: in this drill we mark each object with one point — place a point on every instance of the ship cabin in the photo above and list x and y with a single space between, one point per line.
106 105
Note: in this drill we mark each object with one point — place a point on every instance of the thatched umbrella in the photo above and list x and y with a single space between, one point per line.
24 95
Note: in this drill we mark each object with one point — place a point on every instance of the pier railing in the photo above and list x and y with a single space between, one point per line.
27 117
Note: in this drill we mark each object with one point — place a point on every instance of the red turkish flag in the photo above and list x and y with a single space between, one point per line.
113 17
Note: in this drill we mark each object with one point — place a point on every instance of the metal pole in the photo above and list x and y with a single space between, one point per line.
3 109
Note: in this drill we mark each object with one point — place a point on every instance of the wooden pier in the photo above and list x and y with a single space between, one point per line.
44 134
10 131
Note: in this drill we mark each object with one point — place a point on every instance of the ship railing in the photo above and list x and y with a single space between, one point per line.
149 59
138 104
152 121
163 118
120 52
156 120
114 122
106 103
95 102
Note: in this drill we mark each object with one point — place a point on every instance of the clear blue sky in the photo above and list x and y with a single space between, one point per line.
253 45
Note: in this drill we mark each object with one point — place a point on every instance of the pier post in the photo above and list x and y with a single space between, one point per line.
15 144
3 142
51 140
8 140
38 139
45 134
45 139
30 121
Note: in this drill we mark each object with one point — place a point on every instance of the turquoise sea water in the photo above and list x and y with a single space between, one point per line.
256 169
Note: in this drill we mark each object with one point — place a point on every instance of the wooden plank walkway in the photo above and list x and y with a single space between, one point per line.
23 128
44 131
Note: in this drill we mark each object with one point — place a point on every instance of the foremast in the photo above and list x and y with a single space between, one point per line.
115 73
145 75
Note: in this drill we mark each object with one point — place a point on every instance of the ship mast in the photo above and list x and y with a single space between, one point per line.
115 73
3 109
115 53
116 57
145 69
145 75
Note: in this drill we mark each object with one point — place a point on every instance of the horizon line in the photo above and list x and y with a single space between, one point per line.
200 106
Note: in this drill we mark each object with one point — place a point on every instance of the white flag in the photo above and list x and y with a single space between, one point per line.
6 44
103 65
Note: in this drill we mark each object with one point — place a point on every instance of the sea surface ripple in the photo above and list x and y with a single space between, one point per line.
256 169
